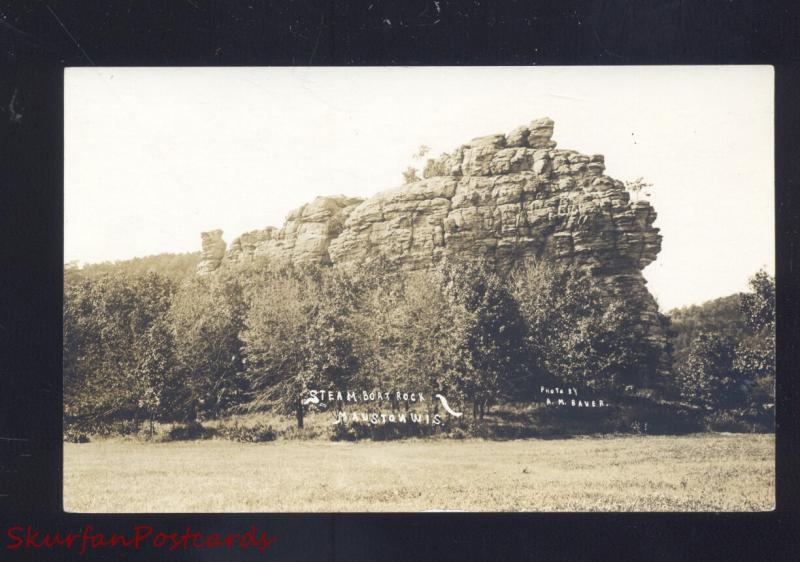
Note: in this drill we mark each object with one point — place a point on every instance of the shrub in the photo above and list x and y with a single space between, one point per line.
458 433
347 432
306 432
749 420
117 428
391 431
189 431
645 416
256 433
727 420
74 435
633 414
379 432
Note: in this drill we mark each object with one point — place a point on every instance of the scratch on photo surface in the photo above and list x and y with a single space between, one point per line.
319 35
64 27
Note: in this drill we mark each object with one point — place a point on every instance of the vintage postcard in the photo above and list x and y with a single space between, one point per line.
419 289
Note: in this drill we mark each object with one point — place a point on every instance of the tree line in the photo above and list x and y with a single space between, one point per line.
724 354
148 347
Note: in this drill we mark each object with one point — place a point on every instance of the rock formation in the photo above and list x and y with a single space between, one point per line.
505 197
213 252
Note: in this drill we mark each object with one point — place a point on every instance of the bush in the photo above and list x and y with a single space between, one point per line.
631 415
189 432
307 432
727 420
380 432
640 415
118 428
458 433
257 433
74 435
741 421
391 431
348 432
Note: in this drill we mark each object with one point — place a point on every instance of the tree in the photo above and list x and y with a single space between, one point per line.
410 175
173 266
579 334
273 336
154 380
722 315
758 305
422 151
729 363
637 186
408 334
708 379
380 328
81 352
490 334
755 355
328 356
206 318
296 336
118 360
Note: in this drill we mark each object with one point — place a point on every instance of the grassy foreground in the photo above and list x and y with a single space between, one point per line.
702 472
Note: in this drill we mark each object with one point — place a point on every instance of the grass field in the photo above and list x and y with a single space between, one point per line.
703 472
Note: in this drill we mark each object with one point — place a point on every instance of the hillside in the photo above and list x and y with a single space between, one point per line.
721 315
174 266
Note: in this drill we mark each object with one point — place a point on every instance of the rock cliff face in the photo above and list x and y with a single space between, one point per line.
505 197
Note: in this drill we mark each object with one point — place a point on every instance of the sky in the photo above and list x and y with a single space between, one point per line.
154 156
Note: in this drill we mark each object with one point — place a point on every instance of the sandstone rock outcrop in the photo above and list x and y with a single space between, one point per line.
504 197
213 252
305 237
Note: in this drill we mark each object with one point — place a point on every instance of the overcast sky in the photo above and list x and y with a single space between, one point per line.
155 156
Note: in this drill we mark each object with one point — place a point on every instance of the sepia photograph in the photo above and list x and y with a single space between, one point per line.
413 289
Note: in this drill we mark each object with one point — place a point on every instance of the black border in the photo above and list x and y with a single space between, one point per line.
38 39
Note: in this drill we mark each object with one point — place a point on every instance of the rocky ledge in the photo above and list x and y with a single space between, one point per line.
505 197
